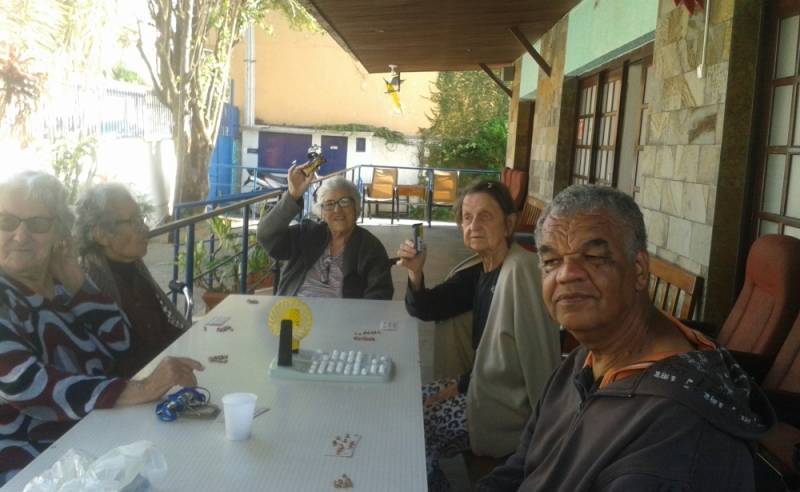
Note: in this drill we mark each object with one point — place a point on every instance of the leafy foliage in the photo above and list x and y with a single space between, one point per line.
123 74
391 136
191 70
20 89
43 40
468 123
74 163
216 266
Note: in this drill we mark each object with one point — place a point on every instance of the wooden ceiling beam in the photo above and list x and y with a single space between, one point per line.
436 35
531 50
496 79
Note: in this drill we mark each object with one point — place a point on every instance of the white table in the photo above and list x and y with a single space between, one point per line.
287 451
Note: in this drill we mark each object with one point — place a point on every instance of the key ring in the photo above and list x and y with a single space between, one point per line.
187 399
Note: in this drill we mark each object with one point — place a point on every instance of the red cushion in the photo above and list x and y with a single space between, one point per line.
517 182
768 303
784 375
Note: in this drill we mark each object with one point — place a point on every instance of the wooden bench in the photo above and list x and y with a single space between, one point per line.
673 290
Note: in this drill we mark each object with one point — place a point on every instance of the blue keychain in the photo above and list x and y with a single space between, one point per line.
190 401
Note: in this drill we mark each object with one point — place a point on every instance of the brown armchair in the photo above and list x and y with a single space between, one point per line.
769 300
782 385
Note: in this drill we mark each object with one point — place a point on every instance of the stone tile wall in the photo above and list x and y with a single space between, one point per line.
548 113
680 163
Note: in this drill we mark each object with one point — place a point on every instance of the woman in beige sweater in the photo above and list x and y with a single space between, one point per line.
516 344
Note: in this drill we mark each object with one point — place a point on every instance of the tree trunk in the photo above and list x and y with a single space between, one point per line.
195 169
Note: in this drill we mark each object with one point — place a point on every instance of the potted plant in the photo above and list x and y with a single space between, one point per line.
259 267
217 263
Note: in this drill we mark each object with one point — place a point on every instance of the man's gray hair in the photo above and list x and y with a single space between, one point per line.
337 183
582 198
93 209
47 190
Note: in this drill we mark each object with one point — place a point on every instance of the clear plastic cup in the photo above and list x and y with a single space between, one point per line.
239 409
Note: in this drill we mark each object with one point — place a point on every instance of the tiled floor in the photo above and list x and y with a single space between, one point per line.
445 249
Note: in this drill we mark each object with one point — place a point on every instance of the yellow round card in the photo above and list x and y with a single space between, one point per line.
293 309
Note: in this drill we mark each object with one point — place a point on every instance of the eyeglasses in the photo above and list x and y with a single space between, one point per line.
35 225
138 220
344 202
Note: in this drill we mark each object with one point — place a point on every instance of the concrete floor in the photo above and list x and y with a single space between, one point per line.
445 249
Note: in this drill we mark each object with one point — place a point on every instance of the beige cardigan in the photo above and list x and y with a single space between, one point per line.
517 353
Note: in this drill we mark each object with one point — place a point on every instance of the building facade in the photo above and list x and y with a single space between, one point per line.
691 113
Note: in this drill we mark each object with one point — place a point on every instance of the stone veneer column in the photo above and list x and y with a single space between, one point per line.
520 122
730 240
548 114
679 167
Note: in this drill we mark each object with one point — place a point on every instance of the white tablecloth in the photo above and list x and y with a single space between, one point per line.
289 448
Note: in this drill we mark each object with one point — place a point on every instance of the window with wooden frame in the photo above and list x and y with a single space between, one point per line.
595 156
776 210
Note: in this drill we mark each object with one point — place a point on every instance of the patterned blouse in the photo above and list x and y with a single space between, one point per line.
55 360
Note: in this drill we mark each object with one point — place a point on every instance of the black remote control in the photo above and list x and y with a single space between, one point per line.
285 344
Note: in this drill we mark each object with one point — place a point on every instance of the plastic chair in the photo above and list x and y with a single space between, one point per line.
381 190
443 192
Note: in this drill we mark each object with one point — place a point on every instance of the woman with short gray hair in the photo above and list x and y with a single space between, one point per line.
332 258
60 336
112 240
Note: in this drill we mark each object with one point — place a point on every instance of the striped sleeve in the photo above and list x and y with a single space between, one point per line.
44 391
102 317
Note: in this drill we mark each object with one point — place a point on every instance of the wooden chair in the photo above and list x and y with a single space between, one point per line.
674 290
526 223
443 192
381 190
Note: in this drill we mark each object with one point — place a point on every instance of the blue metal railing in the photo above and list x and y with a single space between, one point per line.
244 201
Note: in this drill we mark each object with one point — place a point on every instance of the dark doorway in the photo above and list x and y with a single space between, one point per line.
335 151
278 150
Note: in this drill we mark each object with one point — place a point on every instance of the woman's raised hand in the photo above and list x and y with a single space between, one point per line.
412 261
64 266
298 181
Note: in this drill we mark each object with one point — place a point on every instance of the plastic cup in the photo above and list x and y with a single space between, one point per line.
239 409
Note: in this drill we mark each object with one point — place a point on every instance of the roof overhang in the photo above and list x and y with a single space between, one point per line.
435 35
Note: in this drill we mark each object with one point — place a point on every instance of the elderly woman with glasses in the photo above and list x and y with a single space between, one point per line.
332 258
60 336
514 344
112 240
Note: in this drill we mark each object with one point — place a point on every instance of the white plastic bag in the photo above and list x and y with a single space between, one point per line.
129 468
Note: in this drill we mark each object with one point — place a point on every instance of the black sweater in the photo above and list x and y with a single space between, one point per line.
468 289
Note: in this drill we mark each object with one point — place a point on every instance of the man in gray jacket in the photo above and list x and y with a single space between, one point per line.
645 403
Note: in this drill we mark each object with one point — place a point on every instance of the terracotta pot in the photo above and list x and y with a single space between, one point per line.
212 298
257 281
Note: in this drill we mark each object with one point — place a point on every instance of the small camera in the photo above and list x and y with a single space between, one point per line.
419 244
315 160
